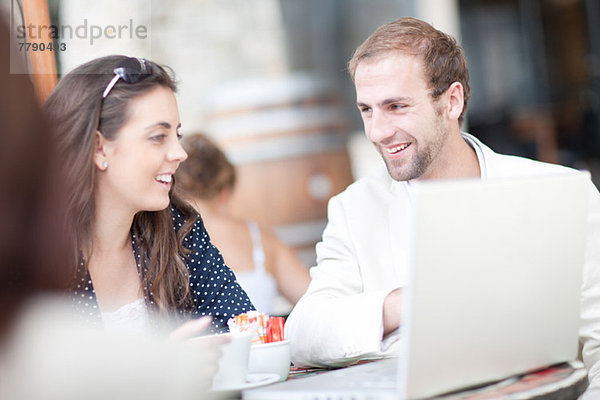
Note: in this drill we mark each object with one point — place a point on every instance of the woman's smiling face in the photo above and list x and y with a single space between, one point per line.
144 156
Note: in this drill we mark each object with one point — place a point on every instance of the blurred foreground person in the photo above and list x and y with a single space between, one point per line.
262 264
46 353
32 247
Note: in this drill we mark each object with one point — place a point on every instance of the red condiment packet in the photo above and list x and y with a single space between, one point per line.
275 329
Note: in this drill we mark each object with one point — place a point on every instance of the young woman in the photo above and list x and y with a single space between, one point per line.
262 264
139 251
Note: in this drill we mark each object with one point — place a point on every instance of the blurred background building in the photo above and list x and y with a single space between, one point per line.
267 79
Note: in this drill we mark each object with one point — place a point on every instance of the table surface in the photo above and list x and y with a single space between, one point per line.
562 381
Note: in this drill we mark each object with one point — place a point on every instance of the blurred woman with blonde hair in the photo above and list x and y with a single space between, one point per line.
262 264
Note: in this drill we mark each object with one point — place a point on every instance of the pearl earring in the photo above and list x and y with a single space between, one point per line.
105 164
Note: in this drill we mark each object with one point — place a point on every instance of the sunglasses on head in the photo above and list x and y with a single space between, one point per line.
130 70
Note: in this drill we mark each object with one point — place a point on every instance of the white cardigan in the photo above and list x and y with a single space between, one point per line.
360 260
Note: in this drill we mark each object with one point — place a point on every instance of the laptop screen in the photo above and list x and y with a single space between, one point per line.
496 269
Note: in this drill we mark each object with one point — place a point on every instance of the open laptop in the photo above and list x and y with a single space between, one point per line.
496 271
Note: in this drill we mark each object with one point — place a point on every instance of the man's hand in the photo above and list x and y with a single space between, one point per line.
391 311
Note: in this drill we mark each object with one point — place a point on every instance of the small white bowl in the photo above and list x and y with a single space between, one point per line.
272 358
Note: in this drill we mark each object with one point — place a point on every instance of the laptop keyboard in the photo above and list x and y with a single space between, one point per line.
369 381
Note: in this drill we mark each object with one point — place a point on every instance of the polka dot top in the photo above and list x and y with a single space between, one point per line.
213 286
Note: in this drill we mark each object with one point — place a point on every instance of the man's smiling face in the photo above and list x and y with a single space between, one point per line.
400 117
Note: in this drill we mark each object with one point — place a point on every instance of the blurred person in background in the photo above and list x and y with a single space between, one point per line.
46 353
262 264
139 251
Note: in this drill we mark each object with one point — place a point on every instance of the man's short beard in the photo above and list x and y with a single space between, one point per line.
424 157
417 168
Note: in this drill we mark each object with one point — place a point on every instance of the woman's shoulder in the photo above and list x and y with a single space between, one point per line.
180 218
196 231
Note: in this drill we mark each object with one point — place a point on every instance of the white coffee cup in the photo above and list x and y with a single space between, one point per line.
273 358
233 363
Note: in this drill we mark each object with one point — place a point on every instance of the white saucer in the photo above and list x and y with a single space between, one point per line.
252 381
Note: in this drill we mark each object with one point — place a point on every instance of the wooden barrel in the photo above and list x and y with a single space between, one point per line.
287 137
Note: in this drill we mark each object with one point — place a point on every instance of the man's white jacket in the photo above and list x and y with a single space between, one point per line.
361 259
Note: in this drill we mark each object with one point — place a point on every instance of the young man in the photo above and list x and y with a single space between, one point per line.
412 90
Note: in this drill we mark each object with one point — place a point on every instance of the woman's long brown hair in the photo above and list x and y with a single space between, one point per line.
77 111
